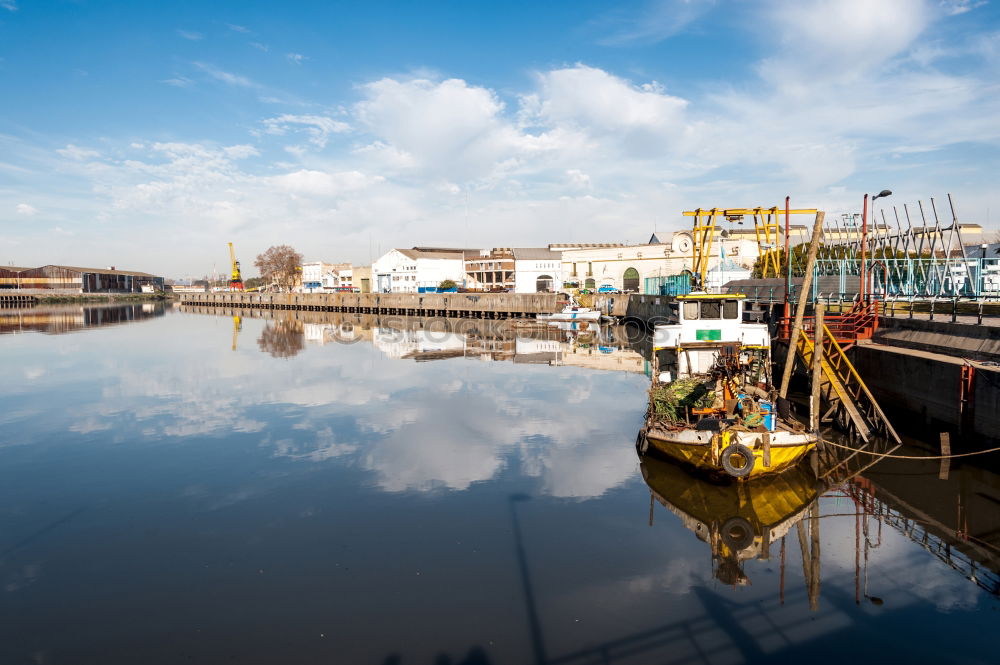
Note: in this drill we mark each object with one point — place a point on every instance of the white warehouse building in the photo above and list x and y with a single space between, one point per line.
415 270
626 267
537 270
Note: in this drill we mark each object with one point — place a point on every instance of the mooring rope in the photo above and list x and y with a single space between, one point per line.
872 452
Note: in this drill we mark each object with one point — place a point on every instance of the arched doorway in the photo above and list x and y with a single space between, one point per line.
590 284
544 284
630 281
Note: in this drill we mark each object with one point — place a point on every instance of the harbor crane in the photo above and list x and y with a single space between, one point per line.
236 282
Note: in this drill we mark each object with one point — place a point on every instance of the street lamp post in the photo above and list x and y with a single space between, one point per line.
863 296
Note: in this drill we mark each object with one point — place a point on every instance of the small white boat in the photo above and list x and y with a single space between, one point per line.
572 313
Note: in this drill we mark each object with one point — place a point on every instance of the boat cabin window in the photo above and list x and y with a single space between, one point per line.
711 309
730 309
691 311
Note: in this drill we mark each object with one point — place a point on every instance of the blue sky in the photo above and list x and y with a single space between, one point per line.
147 135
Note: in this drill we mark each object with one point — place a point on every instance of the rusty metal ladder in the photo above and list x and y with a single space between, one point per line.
851 404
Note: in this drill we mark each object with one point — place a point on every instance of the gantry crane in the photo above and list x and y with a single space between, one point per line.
236 282
767 228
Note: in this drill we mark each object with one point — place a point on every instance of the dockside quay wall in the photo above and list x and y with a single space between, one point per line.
477 305
960 395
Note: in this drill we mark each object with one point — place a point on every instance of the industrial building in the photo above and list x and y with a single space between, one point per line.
79 280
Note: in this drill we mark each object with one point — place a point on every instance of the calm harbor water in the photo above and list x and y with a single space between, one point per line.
189 487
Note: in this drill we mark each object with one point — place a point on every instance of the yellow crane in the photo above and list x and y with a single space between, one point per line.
236 282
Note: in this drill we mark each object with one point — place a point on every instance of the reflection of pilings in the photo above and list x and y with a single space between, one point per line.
948 549
810 555
481 327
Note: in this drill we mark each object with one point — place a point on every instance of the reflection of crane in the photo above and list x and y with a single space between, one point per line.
237 327
236 282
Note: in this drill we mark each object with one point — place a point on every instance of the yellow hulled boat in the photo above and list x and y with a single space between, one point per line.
711 402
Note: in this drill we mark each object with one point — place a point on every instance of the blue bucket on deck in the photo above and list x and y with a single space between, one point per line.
767 410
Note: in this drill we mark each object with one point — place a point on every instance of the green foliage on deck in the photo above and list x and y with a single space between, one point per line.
668 401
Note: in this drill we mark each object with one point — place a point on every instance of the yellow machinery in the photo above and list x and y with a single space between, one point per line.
236 281
767 228
237 327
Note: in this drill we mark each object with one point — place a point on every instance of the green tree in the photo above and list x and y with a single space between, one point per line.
447 284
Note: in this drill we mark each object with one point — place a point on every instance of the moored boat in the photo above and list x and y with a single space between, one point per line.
572 313
711 403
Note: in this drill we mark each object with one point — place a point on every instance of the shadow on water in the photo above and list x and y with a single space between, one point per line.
740 521
475 656
51 526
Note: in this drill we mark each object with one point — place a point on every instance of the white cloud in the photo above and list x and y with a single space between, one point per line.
25 209
191 35
9 5
295 58
641 119
238 28
178 81
319 128
655 21
446 127
240 151
578 179
260 47
955 7
841 40
320 183
225 77
77 153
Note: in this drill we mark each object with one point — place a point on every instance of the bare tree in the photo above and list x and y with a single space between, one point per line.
278 265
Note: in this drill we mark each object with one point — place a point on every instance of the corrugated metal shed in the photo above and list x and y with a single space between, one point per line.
74 278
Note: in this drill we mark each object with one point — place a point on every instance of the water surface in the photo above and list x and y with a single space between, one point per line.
190 487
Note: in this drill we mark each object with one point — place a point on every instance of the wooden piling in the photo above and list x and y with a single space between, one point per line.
800 311
817 372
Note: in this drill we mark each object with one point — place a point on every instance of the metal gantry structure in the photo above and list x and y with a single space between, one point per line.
767 223
911 254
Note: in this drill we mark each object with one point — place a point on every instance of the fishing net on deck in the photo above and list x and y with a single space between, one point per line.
668 402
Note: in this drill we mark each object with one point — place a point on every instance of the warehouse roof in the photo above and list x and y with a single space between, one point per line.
100 271
536 253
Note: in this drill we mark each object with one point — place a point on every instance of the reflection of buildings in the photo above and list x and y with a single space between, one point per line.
610 348
68 318
419 344
342 333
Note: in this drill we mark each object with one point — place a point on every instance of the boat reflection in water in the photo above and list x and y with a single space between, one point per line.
740 520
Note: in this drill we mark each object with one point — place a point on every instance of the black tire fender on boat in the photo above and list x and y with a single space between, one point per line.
737 450
737 533
641 443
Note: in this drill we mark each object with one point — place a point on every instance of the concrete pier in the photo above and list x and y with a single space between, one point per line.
447 305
